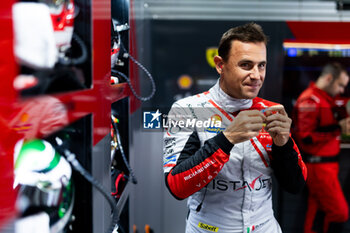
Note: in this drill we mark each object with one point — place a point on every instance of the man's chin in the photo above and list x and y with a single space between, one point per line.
250 95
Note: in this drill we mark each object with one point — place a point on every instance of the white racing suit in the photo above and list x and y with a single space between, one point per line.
228 186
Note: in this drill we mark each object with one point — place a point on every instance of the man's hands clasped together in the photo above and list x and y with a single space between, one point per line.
248 123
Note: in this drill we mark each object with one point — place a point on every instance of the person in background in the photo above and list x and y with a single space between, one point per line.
222 146
317 132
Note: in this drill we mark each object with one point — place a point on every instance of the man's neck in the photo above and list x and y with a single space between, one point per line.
320 84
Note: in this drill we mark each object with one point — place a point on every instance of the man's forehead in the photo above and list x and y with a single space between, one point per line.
249 56
249 49
235 43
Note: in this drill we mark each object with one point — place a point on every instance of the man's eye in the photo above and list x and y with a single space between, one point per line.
262 66
245 65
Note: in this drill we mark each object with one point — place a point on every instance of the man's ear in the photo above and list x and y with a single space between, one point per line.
329 78
219 63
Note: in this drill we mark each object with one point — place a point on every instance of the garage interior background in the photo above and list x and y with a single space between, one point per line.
173 38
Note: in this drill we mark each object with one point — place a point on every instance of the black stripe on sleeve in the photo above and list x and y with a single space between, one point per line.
328 128
223 142
286 168
192 154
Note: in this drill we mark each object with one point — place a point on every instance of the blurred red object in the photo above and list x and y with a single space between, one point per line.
342 109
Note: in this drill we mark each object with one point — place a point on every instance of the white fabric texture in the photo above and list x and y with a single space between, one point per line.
35 44
229 103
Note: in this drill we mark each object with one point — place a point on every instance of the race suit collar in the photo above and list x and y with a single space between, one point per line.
328 97
226 102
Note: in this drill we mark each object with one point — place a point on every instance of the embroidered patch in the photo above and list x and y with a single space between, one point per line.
208 227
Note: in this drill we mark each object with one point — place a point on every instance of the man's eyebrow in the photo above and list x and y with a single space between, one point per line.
246 60
250 61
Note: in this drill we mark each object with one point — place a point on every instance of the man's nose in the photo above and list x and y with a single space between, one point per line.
255 73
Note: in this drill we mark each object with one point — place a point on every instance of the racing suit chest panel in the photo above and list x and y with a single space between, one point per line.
242 189
245 179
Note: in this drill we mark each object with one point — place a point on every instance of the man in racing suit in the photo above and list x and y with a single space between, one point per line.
317 132
222 146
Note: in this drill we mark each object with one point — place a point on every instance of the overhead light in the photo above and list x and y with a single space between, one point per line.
309 45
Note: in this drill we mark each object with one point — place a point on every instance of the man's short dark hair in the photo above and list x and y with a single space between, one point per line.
250 32
333 68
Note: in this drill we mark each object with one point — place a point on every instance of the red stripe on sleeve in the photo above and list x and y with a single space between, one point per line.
300 160
186 183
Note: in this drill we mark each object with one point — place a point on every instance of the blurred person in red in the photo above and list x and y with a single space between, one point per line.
317 131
